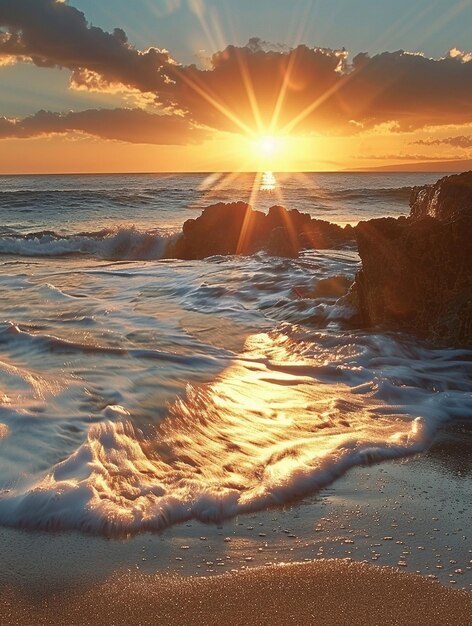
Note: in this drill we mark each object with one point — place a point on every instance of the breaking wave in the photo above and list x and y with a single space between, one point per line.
367 194
284 418
121 243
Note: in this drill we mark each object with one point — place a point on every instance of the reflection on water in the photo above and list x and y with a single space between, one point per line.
94 359
268 182
265 431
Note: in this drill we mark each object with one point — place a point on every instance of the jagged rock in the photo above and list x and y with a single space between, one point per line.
416 272
449 198
236 228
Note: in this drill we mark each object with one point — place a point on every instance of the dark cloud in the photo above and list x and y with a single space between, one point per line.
411 89
457 142
322 91
131 125
248 83
55 34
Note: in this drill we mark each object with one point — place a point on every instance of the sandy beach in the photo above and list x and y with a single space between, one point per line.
326 592
387 543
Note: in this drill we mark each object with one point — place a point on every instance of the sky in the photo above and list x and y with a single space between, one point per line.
229 85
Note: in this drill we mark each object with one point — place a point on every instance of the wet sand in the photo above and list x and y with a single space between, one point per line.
326 592
412 515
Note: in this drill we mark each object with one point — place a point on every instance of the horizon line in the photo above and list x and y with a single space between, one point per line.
378 170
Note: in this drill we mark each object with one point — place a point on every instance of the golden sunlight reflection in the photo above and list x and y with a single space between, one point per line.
268 182
264 432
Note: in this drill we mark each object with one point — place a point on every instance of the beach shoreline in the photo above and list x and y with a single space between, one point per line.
397 515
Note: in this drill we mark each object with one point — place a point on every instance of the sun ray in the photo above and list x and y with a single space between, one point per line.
218 29
282 91
248 84
248 218
446 16
297 119
293 236
404 23
224 180
301 29
212 100
199 8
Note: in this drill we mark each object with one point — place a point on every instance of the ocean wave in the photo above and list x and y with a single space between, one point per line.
72 198
124 197
121 243
284 419
363 194
11 333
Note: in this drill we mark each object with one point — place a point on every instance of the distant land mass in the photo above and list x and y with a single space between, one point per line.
428 166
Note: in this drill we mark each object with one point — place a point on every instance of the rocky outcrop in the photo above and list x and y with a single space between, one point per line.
238 229
416 272
449 199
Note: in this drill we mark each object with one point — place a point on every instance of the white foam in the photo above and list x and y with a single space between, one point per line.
265 432
123 243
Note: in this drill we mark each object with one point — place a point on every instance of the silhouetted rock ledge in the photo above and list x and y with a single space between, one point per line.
236 228
416 272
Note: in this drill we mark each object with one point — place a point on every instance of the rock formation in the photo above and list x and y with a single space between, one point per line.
450 198
416 272
238 229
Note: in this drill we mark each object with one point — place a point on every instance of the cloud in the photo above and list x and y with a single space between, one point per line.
323 91
457 142
55 34
455 53
131 125
305 89
411 89
402 156
244 85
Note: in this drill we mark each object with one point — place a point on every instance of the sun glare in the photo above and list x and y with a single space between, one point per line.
267 146
269 152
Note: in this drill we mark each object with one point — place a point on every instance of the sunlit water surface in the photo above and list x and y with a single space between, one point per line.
136 394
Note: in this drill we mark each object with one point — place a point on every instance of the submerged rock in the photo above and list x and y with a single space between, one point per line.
416 272
236 228
332 287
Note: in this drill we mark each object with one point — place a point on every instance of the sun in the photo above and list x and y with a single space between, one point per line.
267 152
267 145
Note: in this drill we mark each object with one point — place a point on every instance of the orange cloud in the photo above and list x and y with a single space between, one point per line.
131 125
249 89
55 34
457 142
322 91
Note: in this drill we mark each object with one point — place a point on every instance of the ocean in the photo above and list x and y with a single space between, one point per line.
137 393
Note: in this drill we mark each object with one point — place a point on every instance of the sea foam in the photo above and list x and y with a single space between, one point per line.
286 417
121 243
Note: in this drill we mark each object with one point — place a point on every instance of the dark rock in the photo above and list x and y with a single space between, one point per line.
238 229
449 198
416 272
